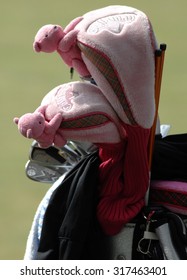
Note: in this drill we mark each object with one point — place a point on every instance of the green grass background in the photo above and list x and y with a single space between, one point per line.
25 77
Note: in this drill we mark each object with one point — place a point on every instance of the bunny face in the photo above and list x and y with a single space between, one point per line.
47 38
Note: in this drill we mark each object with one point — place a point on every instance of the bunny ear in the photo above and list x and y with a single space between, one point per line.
16 120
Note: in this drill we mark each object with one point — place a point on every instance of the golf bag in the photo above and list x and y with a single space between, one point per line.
66 225
156 233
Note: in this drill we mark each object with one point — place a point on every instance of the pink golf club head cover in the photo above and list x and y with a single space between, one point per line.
86 114
118 45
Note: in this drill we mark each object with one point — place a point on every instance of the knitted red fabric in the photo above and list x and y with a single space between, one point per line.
124 179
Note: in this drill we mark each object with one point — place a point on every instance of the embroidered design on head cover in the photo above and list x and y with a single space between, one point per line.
112 23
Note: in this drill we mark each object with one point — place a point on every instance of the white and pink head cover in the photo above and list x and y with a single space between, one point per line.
118 45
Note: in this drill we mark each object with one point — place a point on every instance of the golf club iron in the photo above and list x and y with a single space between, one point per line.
47 165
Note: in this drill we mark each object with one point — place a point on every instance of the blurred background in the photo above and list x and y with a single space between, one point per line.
25 77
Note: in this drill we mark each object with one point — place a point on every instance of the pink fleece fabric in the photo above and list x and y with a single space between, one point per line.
121 38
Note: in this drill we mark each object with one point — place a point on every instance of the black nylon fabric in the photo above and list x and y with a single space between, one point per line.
70 229
170 158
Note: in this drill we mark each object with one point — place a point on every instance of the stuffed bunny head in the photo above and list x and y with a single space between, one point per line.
47 38
31 125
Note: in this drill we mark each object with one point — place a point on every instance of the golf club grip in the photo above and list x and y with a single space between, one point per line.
159 62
